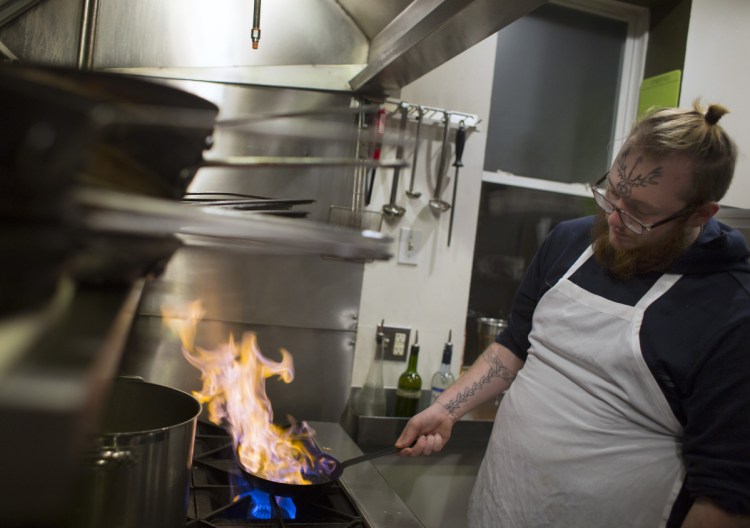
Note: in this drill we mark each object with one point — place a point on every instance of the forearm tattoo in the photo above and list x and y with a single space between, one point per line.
630 179
497 370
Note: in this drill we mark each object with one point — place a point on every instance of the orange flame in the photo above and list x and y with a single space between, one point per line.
234 391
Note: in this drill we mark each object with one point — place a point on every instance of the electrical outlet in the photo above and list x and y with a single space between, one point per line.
398 343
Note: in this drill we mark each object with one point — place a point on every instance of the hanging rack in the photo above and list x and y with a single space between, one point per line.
434 115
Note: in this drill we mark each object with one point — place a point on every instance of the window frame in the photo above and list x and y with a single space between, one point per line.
632 70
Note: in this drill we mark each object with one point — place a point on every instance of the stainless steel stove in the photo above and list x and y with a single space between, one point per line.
221 497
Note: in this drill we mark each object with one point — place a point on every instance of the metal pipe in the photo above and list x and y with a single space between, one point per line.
255 33
5 52
247 162
88 34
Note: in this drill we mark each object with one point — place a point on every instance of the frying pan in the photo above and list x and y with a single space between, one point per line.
64 127
331 470
144 137
132 134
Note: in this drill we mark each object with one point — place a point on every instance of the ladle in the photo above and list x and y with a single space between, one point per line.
436 204
391 210
410 192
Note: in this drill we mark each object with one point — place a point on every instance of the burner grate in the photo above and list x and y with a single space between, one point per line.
221 498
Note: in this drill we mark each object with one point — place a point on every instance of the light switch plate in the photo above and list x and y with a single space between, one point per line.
408 246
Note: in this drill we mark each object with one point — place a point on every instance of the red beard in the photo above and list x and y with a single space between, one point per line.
644 259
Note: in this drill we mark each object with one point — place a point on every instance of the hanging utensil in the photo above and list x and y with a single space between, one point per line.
391 210
377 147
436 204
460 142
410 191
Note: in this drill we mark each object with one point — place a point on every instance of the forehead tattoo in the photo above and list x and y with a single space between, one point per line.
632 178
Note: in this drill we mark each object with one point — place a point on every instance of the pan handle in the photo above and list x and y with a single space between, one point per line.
369 456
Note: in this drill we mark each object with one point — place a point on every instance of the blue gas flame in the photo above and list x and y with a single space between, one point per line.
260 506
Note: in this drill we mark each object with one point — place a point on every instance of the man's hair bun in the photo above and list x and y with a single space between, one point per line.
714 113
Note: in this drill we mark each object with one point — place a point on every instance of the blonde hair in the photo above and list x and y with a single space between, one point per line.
694 134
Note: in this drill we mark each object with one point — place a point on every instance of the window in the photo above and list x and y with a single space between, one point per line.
565 89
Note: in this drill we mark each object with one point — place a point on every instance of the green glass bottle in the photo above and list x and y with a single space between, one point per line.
409 385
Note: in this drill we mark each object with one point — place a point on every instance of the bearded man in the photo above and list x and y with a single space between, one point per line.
626 358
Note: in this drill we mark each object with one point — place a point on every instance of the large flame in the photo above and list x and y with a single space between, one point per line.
234 392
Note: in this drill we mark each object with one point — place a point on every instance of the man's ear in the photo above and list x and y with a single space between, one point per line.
703 213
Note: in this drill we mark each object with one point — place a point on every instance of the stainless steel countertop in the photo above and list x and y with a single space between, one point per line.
437 488
378 503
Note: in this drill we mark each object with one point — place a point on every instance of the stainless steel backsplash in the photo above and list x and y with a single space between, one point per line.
306 304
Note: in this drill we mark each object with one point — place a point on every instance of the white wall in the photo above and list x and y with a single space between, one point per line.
718 47
431 297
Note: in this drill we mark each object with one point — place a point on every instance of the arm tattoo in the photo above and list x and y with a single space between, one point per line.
629 180
497 369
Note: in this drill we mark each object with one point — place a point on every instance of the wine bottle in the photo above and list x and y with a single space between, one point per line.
371 398
443 378
409 387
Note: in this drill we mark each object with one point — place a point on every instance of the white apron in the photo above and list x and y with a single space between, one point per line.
584 438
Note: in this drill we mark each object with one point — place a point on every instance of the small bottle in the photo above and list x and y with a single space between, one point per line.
409 388
443 378
371 399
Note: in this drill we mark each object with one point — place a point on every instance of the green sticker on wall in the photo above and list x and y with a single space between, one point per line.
661 91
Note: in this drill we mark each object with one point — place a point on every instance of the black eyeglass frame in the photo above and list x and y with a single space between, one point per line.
644 227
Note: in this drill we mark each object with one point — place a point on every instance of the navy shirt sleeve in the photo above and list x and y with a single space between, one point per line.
558 252
716 407
699 352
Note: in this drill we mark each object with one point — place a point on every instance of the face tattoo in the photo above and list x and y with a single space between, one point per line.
647 257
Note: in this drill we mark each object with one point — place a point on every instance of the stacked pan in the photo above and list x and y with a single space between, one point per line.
63 129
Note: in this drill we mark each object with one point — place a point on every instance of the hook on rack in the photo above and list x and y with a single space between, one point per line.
435 115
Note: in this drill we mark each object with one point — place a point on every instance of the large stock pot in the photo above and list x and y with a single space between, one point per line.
136 473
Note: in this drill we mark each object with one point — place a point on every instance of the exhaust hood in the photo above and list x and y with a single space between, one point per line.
428 33
391 43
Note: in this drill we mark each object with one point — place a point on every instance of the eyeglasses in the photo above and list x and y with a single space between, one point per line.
632 223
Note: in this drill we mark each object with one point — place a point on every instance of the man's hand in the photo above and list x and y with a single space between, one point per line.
431 428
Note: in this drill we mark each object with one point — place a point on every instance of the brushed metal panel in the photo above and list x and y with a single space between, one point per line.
298 291
48 33
194 33
322 362
328 186
372 17
322 77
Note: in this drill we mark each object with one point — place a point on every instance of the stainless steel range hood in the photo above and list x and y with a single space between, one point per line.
426 34
398 42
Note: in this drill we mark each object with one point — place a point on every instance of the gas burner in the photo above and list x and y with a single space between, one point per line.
221 497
